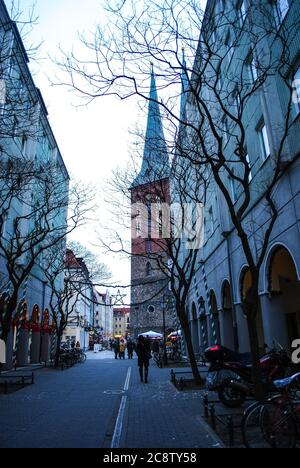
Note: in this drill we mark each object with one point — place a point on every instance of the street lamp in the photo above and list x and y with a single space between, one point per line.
164 332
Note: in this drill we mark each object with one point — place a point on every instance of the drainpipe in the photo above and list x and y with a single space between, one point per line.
226 235
44 296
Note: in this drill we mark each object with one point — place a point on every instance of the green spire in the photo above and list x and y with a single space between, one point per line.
155 165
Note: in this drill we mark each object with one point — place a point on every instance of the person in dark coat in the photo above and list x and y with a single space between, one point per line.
116 345
130 349
143 352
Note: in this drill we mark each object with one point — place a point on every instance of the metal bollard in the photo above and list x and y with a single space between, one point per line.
23 382
181 383
32 378
205 404
230 427
172 376
212 411
5 387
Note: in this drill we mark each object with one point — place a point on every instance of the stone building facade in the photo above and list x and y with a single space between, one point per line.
221 285
26 136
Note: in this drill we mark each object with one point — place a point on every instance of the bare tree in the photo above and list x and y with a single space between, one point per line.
37 219
242 54
69 277
98 271
171 221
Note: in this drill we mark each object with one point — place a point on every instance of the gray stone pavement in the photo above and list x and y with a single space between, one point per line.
79 407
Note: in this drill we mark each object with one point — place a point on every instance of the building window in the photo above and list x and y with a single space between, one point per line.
232 188
242 12
236 100
24 143
222 6
211 219
225 130
229 45
281 9
296 92
249 165
252 68
3 221
148 245
148 269
264 141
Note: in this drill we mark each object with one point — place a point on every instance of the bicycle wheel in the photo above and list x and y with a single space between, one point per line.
278 425
251 428
82 357
267 425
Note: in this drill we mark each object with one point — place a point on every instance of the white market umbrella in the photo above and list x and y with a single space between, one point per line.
151 334
174 334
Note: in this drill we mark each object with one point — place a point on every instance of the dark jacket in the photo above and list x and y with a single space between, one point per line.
143 351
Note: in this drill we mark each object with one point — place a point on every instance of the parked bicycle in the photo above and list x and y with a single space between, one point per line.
70 357
274 422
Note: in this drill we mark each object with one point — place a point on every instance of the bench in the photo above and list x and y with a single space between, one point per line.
182 379
16 380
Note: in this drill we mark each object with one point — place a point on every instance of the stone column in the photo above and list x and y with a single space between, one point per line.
242 330
10 348
35 345
226 328
45 346
22 351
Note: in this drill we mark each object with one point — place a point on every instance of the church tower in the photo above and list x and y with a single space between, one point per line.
149 190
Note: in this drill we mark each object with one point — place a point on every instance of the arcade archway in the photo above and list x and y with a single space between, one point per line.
284 289
227 324
245 285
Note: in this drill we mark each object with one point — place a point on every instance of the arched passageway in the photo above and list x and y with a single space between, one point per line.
284 296
227 318
245 285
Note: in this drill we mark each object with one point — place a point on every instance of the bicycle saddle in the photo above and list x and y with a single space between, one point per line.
284 383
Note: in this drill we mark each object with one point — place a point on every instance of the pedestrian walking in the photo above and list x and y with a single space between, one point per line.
115 346
155 349
122 348
143 352
130 349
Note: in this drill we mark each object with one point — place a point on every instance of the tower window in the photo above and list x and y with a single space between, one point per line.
148 269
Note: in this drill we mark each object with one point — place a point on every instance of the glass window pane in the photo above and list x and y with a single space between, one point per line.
284 8
266 141
249 164
296 93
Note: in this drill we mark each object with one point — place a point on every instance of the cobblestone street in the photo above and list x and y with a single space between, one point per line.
102 404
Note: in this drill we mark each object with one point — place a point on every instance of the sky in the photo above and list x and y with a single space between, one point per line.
93 139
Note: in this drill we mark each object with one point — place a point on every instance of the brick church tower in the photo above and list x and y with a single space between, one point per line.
151 188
